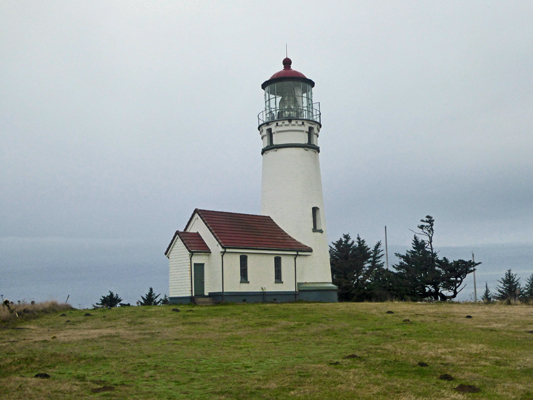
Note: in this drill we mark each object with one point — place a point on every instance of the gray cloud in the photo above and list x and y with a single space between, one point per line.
118 119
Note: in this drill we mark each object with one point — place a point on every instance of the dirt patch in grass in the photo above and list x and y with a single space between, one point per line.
446 377
349 356
467 389
102 389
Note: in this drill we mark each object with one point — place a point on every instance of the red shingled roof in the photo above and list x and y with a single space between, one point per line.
248 231
192 241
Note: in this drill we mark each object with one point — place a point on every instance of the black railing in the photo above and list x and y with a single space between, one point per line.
275 114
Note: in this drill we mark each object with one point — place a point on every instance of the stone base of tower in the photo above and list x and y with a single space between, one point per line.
317 291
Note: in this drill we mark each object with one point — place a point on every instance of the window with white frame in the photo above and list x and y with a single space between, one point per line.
244 268
277 270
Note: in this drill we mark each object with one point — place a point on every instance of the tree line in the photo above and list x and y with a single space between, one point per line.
111 300
360 274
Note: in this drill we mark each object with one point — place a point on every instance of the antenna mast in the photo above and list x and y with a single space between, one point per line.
475 289
386 248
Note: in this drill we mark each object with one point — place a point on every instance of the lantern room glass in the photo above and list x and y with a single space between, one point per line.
288 99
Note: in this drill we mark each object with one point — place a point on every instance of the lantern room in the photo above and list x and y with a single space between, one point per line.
289 95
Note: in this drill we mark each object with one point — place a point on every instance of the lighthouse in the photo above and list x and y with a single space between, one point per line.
281 255
291 188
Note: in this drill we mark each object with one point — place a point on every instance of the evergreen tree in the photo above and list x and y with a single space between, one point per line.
379 286
487 295
352 267
416 272
165 300
527 291
453 275
509 288
382 285
109 301
150 299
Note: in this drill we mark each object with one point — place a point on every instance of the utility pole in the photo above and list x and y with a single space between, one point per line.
475 289
386 248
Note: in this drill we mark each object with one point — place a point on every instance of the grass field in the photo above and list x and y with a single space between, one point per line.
272 351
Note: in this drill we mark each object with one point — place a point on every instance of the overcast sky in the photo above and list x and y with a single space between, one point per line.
118 118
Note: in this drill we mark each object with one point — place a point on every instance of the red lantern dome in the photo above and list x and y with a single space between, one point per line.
287 71
289 95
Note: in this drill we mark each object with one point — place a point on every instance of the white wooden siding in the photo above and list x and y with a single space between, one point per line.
179 270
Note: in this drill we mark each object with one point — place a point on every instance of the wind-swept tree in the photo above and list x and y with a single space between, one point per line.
422 274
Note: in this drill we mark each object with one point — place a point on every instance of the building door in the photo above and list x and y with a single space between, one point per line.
199 281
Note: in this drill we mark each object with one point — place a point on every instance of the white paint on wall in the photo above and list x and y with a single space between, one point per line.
291 187
260 272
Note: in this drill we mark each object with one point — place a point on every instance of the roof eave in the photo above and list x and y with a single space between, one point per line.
287 78
171 243
309 250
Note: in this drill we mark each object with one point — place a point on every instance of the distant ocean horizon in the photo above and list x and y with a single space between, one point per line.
83 270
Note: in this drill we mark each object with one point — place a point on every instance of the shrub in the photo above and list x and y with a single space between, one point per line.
24 311
109 301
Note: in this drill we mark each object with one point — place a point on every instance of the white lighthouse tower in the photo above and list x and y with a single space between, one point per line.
291 191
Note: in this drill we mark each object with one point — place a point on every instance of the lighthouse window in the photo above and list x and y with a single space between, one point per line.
317 227
310 139
288 99
270 138
277 270
244 269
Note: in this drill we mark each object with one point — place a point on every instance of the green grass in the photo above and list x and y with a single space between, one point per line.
272 351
